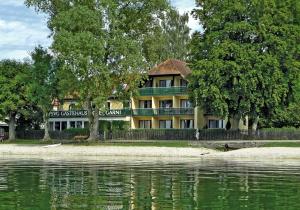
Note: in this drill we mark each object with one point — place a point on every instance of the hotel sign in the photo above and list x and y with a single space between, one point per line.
84 113
112 113
68 114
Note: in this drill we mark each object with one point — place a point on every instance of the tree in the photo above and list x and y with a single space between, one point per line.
168 39
13 81
99 44
43 86
246 62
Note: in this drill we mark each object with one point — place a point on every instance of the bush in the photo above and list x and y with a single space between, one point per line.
283 129
113 125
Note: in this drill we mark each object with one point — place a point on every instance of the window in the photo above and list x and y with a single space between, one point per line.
145 104
78 124
148 83
186 123
72 124
108 105
165 124
72 107
165 83
63 125
215 124
166 104
183 83
184 103
145 124
57 126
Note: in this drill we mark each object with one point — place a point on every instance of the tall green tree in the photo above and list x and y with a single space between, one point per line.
246 61
13 82
99 44
168 39
43 87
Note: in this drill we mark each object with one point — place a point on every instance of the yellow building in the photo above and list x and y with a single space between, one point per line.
162 103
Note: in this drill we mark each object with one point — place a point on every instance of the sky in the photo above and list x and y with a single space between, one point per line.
21 28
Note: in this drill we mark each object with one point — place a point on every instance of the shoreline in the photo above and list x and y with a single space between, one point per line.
69 152
98 151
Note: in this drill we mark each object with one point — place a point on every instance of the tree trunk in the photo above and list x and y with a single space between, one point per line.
254 125
94 122
46 135
12 126
235 122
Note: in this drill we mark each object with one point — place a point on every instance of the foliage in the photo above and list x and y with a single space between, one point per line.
32 120
13 80
168 40
42 89
113 125
246 62
284 129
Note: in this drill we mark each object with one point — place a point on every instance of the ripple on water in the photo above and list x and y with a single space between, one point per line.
148 184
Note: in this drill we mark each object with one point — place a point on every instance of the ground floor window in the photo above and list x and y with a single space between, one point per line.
186 123
78 124
72 124
86 124
57 126
165 124
216 124
145 124
64 125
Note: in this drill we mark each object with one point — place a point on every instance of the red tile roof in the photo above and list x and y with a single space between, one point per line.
171 67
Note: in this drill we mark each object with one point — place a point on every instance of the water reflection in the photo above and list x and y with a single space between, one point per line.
201 184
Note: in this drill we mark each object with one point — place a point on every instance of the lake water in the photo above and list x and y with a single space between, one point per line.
152 184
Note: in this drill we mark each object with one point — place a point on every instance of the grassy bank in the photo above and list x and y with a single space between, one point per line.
282 144
151 143
160 143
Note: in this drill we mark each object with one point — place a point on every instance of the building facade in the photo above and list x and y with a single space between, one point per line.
161 103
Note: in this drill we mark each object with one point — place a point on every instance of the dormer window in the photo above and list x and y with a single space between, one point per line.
165 83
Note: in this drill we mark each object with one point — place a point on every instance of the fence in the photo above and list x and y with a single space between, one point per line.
39 134
169 134
152 134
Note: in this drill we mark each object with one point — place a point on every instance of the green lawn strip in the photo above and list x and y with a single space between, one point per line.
281 144
27 141
160 143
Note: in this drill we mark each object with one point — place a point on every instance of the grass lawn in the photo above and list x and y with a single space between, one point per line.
27 141
281 144
152 143
160 143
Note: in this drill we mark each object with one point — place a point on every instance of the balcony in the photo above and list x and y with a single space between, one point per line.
163 91
163 112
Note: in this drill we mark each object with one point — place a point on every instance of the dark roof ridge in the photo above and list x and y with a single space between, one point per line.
171 67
